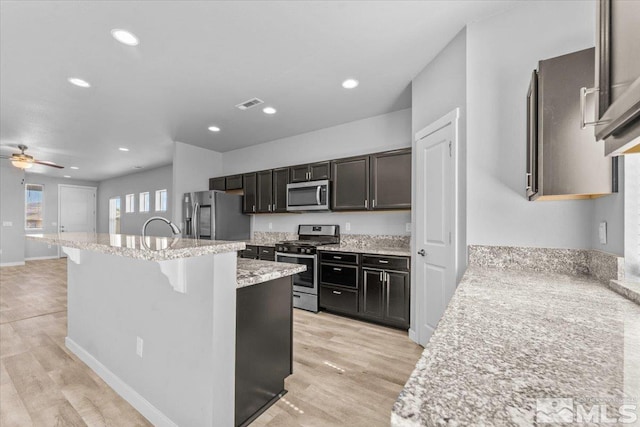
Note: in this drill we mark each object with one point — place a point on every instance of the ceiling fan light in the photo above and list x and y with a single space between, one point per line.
21 164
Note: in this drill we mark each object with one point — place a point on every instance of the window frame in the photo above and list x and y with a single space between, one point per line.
158 200
146 206
26 191
130 207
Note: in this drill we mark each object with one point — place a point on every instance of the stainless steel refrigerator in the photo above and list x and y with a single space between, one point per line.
214 215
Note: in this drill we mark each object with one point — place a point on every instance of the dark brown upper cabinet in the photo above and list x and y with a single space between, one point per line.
391 180
350 184
618 78
265 192
234 182
217 184
250 185
310 172
280 181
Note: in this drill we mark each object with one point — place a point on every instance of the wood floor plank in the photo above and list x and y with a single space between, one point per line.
346 372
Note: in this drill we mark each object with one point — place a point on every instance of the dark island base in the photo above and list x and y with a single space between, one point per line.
264 346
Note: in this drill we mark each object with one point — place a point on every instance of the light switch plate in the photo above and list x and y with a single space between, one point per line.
407 227
270 226
347 226
7 224
602 233
139 346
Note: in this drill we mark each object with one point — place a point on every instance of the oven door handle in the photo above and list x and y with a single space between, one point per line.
290 255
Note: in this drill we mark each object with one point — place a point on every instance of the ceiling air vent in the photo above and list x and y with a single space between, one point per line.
250 103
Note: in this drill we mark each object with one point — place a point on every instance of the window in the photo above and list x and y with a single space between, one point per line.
114 215
144 202
34 206
161 201
129 203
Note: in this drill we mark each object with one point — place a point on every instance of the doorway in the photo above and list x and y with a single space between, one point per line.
76 209
435 219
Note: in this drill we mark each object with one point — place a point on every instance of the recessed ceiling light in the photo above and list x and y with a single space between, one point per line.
269 110
123 149
67 176
74 167
78 82
350 83
125 37
214 128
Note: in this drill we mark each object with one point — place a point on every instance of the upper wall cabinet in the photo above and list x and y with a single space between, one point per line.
250 199
280 181
391 180
564 159
350 184
310 172
618 78
233 182
218 183
265 191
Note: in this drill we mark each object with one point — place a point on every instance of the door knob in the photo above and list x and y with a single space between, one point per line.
421 252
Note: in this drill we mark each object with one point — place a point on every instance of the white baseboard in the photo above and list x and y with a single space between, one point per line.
35 258
412 336
11 264
143 406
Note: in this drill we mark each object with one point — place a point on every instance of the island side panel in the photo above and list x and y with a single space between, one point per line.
185 375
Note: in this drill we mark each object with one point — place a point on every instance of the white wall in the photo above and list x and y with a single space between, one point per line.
11 210
438 89
192 168
136 183
501 53
379 133
35 249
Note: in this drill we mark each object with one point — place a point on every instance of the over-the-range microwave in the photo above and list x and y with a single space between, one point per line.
308 196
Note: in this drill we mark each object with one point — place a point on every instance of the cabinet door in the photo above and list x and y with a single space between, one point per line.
320 170
391 180
531 177
234 182
396 299
372 293
351 184
299 173
265 191
217 184
250 185
280 181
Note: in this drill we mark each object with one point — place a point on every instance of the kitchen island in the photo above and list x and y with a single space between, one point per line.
525 348
156 319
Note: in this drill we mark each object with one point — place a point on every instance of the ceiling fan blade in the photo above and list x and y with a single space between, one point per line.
4 157
45 163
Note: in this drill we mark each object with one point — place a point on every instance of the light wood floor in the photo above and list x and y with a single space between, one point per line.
346 372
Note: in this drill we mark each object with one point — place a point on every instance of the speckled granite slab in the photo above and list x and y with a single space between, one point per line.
605 266
372 244
251 271
509 337
627 289
568 261
150 249
267 238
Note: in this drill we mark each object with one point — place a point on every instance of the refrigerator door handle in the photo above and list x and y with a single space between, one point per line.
195 220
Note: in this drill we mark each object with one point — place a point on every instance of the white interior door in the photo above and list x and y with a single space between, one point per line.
435 219
76 209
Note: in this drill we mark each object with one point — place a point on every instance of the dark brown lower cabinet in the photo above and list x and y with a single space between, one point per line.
385 296
339 299
372 295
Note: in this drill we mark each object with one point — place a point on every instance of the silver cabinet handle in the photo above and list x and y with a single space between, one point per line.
386 278
337 257
337 292
269 207
383 261
528 181
366 203
337 269
373 203
583 106
382 276
274 207
421 252
254 208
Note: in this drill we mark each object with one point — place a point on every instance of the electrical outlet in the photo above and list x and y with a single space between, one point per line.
7 224
602 232
139 346
54 224
270 226
347 226
407 227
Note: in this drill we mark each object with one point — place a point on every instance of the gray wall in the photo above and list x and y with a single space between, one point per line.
11 210
501 53
438 89
611 210
379 133
50 223
192 168
131 223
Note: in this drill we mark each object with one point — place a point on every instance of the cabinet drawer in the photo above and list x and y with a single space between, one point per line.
251 250
343 275
267 253
339 299
340 257
386 262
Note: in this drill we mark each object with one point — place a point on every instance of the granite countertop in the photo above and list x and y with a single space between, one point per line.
508 338
132 246
371 248
252 271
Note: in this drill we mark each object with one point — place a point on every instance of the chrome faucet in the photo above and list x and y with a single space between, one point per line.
174 228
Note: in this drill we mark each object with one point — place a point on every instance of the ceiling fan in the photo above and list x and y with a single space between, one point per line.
25 161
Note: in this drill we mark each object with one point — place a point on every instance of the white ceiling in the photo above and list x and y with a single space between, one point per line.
196 61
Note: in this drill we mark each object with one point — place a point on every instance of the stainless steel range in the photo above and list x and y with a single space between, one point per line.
304 251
